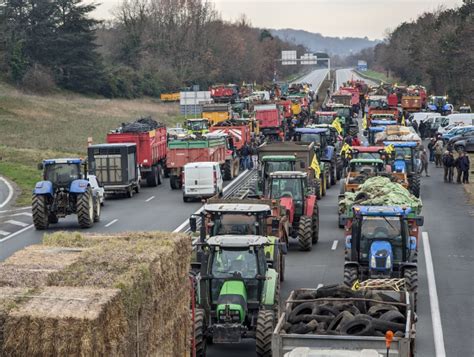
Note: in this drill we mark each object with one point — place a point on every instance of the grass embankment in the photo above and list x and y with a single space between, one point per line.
377 76
35 127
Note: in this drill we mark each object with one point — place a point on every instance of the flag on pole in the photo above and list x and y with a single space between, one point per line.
337 125
403 120
315 166
345 149
364 122
390 149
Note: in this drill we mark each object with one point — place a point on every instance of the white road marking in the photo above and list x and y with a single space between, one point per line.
3 233
319 286
16 209
111 222
16 233
334 245
10 192
434 303
148 200
17 223
27 214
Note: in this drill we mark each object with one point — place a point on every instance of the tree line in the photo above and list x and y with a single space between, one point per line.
150 46
436 50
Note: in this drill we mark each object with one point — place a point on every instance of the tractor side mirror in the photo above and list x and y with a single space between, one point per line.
193 224
420 220
40 166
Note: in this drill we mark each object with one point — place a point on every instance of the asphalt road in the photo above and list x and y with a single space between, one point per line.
315 78
343 75
6 193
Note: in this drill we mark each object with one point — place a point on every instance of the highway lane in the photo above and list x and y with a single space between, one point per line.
315 78
343 75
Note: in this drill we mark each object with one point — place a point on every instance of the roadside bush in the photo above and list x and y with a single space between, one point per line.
38 79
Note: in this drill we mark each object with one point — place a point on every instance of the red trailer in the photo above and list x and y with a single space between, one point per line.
181 152
286 108
151 151
240 134
270 121
224 93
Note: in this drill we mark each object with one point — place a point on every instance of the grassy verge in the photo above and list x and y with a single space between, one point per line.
377 76
34 127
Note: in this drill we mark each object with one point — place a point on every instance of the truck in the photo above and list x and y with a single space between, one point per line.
349 321
181 152
116 167
216 113
150 139
224 93
270 121
238 130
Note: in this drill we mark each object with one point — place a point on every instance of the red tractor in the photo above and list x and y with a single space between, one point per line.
301 209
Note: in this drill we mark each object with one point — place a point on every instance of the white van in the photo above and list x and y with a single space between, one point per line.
422 116
202 180
453 120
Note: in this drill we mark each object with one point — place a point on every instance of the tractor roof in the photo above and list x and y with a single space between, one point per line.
368 149
326 113
288 174
401 144
322 126
366 161
279 158
377 129
237 207
62 161
237 241
311 130
384 122
382 211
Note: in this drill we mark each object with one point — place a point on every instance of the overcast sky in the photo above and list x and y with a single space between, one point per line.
344 18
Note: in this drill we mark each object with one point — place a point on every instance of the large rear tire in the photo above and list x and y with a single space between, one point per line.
411 281
199 337
265 325
305 234
39 208
161 178
324 184
228 170
318 189
414 185
315 224
333 179
174 182
351 274
85 209
97 208
152 177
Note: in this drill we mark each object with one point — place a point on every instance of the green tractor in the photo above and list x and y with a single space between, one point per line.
244 217
237 293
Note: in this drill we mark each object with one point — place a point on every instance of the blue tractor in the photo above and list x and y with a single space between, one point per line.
439 104
380 246
64 190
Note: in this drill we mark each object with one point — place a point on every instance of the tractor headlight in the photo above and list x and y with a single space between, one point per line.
388 263
373 264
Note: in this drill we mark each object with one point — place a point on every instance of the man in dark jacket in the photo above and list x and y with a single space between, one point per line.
448 162
464 164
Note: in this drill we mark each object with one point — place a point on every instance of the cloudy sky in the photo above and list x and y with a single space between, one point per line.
357 18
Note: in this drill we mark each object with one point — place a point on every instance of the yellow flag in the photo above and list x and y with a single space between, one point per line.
356 285
345 148
403 120
364 122
315 166
337 125
389 149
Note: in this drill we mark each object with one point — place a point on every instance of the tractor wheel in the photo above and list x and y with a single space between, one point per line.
305 234
199 338
338 171
315 225
228 172
414 185
281 271
174 182
276 302
328 180
324 184
152 177
265 325
39 209
333 179
351 274
130 192
97 208
411 279
85 209
318 189
52 218
138 187
161 178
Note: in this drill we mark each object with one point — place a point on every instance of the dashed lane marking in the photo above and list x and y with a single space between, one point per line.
334 245
111 222
17 223
149 199
3 233
26 214
16 233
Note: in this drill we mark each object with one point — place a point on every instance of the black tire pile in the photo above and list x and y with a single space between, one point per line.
356 318
140 125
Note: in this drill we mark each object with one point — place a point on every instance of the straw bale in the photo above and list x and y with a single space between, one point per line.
65 321
30 267
9 299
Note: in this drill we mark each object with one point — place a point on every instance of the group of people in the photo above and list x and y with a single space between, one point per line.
249 156
445 159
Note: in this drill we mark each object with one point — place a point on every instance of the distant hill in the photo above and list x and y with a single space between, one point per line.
319 43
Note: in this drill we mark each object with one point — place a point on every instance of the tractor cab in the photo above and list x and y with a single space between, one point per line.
62 172
273 163
439 104
320 138
325 117
290 188
371 132
333 137
236 291
369 152
380 245
197 126
406 158
367 167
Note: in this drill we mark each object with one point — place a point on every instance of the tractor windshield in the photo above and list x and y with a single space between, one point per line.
343 112
273 166
311 138
228 262
62 174
287 187
240 224
325 119
406 154
197 125
381 228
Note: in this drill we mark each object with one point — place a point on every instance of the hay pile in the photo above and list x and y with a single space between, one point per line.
397 133
380 191
101 295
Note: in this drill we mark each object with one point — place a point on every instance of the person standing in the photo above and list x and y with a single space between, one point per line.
254 156
457 165
431 149
465 166
421 129
424 162
448 162
439 147
415 126
355 141
245 152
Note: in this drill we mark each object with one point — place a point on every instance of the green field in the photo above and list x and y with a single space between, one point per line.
34 127
378 76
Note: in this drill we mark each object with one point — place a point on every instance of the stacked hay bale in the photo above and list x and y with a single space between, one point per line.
98 295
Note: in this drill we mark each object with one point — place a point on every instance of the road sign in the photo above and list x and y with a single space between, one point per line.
289 58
